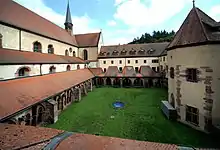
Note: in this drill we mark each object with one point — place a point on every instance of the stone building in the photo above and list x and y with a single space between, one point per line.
194 74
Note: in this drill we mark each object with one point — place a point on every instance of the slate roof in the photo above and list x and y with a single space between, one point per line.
31 90
198 28
8 56
88 40
133 50
36 138
129 71
146 71
25 19
96 71
112 71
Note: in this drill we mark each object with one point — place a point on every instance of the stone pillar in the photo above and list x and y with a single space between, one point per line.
104 79
132 81
143 83
79 94
121 83
112 81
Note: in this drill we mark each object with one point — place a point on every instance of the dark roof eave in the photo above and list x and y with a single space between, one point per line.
26 30
193 44
87 46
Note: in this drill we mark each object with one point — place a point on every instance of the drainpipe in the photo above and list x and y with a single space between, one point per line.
41 69
19 40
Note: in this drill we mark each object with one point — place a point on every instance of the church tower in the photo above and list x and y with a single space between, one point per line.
68 23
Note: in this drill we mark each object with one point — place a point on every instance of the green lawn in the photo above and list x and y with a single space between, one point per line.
140 119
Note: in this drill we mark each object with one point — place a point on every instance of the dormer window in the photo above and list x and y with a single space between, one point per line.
102 53
132 52
115 52
123 52
151 51
108 54
141 51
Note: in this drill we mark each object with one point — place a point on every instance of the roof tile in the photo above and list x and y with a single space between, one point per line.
88 40
25 94
8 56
21 16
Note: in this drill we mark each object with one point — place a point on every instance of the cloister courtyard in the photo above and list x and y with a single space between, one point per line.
140 119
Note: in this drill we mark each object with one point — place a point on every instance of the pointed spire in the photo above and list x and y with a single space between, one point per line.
193 3
68 14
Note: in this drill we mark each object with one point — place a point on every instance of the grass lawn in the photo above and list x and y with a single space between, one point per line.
140 119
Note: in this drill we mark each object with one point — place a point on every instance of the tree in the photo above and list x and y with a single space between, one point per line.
157 36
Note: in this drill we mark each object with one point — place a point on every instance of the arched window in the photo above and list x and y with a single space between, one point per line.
52 69
1 40
74 54
78 67
70 49
50 49
68 68
66 53
24 71
85 54
37 46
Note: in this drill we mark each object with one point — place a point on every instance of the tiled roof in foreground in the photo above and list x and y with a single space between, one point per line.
96 71
18 137
8 56
25 92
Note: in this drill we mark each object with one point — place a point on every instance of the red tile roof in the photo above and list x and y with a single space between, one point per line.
96 71
14 14
88 40
31 90
16 136
92 142
198 28
8 56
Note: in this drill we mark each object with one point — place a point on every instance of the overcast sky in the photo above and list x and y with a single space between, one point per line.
121 20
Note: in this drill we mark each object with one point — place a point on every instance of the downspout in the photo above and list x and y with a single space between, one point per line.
41 69
19 40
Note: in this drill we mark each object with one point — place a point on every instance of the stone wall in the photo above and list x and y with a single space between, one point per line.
203 94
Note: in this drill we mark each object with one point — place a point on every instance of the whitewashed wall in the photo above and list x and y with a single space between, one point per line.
10 71
125 62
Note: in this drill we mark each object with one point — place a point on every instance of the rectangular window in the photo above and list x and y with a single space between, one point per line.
164 58
191 75
120 69
128 61
136 69
192 115
104 62
120 62
155 61
158 69
145 61
136 61
112 62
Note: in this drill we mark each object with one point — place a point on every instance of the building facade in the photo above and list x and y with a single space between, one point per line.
193 80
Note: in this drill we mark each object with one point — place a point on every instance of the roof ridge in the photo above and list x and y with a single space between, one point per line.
200 21
88 33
